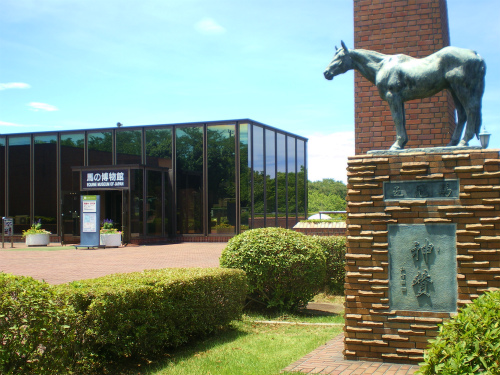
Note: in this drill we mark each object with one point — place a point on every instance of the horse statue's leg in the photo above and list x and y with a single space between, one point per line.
398 115
473 124
461 119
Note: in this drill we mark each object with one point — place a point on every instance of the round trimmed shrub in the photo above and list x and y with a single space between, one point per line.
469 343
334 248
285 269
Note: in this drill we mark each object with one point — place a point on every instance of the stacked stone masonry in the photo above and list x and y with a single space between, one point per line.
373 331
413 27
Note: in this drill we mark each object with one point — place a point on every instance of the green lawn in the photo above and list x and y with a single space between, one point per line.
245 348
248 349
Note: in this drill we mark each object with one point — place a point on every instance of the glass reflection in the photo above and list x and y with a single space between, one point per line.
45 173
159 147
2 176
221 179
136 202
19 182
153 203
189 179
245 169
281 179
100 148
301 180
72 155
291 180
128 147
270 178
258 177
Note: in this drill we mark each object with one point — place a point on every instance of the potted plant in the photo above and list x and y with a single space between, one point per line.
36 236
110 236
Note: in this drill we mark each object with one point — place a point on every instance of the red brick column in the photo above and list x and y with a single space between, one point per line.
414 27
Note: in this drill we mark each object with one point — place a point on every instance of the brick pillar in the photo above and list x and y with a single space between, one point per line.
414 27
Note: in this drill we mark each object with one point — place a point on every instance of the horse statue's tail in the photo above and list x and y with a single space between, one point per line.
480 73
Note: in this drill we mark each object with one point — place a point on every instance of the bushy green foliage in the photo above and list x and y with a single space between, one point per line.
469 343
143 313
334 248
326 195
83 326
36 328
285 269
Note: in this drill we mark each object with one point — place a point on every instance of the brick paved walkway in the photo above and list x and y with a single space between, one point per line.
61 266
328 359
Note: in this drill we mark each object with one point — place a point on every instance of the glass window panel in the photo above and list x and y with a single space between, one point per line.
136 202
154 207
245 168
19 182
301 180
72 155
2 176
281 179
189 179
291 179
45 193
129 147
221 179
270 178
100 148
159 147
258 177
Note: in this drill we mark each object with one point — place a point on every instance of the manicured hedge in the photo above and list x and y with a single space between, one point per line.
37 328
285 269
469 343
334 248
143 313
81 326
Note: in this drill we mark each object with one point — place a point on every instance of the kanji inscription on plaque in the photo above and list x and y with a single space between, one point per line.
422 267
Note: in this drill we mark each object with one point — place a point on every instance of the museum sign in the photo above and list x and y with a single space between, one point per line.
101 179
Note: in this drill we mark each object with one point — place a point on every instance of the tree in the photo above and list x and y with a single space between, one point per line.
327 195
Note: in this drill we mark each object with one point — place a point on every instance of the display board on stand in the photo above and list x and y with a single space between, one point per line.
90 208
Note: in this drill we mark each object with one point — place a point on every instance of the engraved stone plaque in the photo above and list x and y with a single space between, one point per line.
405 190
422 267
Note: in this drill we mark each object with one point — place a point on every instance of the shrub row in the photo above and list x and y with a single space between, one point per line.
469 343
82 325
37 328
334 248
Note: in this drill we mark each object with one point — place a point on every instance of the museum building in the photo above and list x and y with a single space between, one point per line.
192 181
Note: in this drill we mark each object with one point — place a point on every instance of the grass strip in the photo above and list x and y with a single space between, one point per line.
248 349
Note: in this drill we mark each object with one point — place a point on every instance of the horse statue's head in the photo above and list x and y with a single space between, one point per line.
341 63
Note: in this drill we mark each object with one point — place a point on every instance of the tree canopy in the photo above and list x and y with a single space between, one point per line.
327 195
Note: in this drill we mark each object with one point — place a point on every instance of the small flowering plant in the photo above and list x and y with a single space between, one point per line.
36 228
107 227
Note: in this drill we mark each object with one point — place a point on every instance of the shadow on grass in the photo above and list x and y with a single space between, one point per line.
153 364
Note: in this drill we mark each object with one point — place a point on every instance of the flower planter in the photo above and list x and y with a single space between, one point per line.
111 240
39 239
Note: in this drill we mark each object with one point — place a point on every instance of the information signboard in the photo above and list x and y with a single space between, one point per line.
89 224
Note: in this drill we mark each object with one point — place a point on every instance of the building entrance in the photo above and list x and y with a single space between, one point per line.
115 206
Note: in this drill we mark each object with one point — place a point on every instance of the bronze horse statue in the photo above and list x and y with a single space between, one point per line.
400 78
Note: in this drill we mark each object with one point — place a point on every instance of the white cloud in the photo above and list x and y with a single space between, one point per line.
209 26
42 107
5 123
328 155
14 85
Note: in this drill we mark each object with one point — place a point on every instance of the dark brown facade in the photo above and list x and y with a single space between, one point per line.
196 181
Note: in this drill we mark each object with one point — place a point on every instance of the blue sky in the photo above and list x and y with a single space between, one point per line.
87 64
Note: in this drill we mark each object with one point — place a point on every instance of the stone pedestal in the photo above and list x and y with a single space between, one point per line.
423 240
